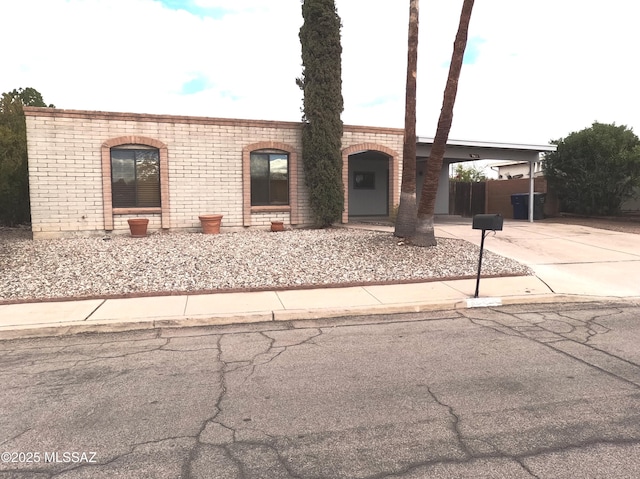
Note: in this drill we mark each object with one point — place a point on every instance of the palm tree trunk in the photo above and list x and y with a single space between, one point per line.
424 235
407 210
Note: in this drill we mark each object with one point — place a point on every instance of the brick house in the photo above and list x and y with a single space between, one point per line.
90 171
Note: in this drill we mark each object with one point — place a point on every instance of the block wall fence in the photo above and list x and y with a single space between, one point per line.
498 195
204 167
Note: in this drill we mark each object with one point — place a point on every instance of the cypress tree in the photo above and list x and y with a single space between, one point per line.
321 83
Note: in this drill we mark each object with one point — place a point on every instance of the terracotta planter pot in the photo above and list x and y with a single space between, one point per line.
277 226
210 224
138 227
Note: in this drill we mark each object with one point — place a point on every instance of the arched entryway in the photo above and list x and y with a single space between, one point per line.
368 184
370 174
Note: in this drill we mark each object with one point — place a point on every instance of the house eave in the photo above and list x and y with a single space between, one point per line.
488 144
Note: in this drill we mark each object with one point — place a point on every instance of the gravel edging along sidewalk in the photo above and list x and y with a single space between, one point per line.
191 263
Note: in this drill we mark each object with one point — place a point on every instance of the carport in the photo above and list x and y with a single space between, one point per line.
459 151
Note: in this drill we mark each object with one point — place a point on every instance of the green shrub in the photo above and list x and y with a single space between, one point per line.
594 170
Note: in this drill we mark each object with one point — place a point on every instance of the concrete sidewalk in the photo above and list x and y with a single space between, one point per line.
571 263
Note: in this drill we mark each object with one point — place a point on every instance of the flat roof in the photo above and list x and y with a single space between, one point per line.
489 144
499 163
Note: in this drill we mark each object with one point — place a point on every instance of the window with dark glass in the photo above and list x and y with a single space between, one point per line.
364 180
135 178
269 179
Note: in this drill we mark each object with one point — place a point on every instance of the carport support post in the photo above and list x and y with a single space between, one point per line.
531 192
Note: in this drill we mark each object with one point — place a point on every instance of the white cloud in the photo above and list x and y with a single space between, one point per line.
543 68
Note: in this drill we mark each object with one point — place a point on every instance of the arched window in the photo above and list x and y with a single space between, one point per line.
135 177
269 178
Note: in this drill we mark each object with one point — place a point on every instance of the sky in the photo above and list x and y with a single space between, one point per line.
534 71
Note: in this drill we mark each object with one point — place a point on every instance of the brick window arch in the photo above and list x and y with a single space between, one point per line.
140 149
260 151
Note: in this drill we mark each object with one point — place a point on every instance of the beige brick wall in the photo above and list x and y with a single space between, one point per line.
65 178
263 220
205 168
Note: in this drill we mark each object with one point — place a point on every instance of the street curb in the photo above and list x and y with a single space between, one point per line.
140 324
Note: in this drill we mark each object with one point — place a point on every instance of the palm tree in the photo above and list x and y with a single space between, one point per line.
407 210
424 233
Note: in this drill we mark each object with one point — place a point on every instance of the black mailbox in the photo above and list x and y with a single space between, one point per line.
487 222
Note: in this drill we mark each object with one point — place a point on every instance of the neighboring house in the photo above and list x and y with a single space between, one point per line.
508 170
90 171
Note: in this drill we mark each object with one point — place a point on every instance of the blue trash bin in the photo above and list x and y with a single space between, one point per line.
520 203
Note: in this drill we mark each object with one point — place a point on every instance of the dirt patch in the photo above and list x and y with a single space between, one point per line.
623 224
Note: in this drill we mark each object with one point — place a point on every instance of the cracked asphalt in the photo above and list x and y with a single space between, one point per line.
542 391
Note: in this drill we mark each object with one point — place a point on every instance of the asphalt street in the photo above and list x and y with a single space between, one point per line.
544 391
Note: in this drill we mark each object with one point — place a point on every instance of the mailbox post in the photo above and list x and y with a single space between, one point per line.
485 223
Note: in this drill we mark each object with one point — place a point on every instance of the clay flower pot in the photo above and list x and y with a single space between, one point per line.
277 226
138 227
210 224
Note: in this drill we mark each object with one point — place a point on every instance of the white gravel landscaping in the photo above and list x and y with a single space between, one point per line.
194 262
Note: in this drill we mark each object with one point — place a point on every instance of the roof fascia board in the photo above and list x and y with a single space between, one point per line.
489 144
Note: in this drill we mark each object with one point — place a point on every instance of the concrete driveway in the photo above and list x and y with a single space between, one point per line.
570 259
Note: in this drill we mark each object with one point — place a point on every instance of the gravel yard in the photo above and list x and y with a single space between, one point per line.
193 262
